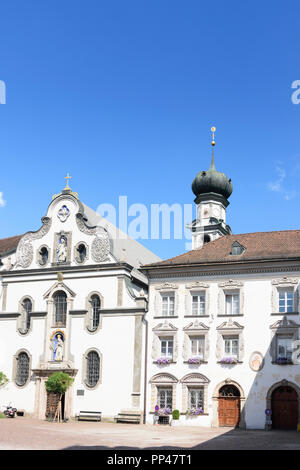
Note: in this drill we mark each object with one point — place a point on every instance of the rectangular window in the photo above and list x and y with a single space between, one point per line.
196 398
284 348
198 304
231 347
164 397
232 304
197 346
168 303
286 301
167 347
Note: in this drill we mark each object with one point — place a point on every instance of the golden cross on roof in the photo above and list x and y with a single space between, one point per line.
67 178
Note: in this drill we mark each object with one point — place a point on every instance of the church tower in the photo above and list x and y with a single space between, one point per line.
212 190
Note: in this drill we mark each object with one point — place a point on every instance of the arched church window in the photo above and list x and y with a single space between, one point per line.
81 253
27 305
92 368
60 309
22 369
95 306
25 319
206 239
43 256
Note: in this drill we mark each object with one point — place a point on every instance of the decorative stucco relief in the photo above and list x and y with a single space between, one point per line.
24 254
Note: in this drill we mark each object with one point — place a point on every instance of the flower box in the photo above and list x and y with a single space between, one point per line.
195 360
284 360
163 360
194 411
228 360
164 411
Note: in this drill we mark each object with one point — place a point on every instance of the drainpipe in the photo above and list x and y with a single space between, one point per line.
145 370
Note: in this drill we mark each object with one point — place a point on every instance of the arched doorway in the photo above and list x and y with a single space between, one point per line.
284 406
229 406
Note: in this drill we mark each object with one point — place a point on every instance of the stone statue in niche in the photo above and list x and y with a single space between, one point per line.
62 249
57 347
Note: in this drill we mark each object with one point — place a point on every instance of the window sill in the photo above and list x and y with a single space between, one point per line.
284 363
196 316
229 363
193 416
166 316
230 315
195 363
285 313
164 364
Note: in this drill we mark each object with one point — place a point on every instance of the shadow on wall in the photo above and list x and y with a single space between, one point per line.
275 391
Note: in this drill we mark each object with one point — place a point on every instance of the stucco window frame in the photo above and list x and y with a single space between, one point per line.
230 287
286 329
163 290
281 284
195 329
15 367
89 315
194 380
229 329
75 252
164 330
38 260
22 318
84 369
162 380
196 288
49 297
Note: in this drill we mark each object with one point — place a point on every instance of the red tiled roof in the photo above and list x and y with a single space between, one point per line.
9 244
258 245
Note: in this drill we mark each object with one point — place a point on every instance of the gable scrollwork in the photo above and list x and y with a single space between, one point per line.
25 253
101 245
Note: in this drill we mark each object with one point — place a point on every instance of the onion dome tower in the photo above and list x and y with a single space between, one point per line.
212 190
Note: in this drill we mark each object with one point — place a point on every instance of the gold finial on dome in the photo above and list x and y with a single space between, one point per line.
213 129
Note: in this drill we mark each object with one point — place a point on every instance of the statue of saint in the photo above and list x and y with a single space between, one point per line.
58 347
62 249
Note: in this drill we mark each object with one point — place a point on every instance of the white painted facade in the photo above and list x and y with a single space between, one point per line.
258 313
110 270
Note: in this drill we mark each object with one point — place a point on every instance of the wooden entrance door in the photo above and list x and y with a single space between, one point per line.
284 408
229 406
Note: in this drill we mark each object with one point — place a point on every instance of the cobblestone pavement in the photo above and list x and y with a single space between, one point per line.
31 434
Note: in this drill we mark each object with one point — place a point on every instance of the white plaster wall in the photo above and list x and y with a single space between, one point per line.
115 342
256 320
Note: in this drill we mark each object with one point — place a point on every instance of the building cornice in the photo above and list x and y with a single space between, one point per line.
223 269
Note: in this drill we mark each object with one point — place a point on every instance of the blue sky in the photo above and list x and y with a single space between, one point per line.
122 96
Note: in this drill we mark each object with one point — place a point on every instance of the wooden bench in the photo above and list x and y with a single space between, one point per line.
128 418
89 415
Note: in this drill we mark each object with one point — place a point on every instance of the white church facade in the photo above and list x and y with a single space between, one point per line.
73 300
212 333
